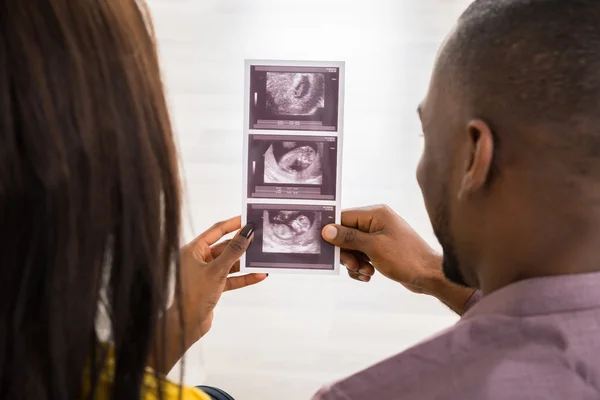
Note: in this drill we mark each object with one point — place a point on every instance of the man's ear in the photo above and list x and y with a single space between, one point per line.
480 157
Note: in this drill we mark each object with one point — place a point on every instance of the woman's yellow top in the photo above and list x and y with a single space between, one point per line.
150 386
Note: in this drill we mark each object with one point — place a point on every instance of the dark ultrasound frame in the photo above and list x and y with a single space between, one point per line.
258 146
326 120
256 258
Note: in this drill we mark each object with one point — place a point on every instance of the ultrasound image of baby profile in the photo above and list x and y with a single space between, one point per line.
299 94
296 232
294 163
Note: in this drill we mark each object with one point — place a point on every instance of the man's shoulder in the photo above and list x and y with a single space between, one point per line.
475 359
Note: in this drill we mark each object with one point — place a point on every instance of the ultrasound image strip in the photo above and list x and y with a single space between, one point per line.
294 93
297 232
292 97
291 162
291 182
292 167
288 237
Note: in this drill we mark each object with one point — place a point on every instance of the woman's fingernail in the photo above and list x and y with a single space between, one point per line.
248 230
364 278
330 232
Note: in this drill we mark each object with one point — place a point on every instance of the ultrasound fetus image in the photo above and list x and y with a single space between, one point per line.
294 163
295 232
295 94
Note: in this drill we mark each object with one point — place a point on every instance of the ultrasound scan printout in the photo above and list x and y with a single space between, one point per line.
294 93
289 162
288 238
294 232
294 97
292 167
293 131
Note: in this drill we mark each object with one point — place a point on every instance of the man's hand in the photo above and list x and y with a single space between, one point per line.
376 238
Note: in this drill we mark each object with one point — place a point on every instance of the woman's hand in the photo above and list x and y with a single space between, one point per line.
204 272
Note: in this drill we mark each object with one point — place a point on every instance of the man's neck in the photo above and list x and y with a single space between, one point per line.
570 257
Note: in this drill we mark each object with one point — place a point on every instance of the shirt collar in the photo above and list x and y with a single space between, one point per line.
538 296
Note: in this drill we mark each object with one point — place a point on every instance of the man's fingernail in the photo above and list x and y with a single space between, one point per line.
248 230
364 278
330 232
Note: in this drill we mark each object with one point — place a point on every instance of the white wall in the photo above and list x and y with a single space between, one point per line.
286 337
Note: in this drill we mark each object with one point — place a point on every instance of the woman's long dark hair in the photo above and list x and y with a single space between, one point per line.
88 183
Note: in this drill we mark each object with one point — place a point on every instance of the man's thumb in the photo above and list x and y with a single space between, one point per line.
347 238
236 247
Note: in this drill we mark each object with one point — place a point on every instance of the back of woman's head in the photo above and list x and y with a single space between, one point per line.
88 184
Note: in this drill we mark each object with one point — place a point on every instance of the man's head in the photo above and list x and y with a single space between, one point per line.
511 164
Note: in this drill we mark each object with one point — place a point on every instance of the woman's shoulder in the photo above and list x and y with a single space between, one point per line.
170 390
151 385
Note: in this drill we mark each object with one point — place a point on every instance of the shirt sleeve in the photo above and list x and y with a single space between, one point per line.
330 393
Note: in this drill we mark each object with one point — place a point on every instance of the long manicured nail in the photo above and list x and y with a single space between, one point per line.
248 230
330 232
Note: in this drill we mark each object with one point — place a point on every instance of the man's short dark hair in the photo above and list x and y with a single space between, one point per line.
533 63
